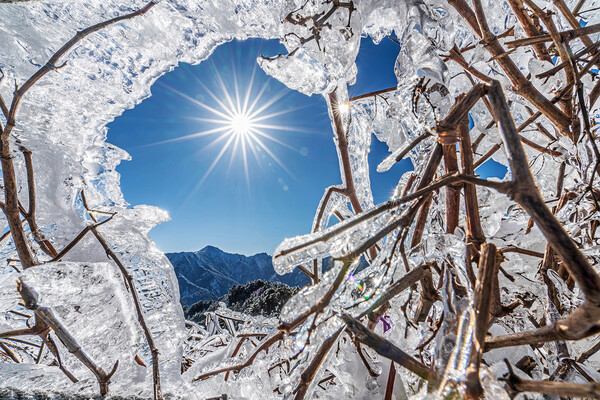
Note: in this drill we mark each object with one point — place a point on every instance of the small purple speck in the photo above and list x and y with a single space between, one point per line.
387 323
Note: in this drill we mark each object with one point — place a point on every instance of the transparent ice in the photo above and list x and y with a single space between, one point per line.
63 119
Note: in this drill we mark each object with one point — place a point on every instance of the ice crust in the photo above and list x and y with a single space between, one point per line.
62 120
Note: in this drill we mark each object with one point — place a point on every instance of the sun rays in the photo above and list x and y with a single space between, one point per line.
241 124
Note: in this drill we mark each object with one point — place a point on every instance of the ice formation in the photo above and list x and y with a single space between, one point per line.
62 120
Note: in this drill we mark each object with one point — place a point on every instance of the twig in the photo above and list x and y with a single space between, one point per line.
44 244
11 209
488 271
564 36
77 239
46 315
138 309
566 389
386 348
309 373
372 94
238 367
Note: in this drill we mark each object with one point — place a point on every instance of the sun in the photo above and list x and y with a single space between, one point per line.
240 122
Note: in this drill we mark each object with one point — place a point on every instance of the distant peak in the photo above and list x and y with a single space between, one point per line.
213 249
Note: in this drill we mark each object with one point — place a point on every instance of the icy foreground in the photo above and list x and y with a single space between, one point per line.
62 120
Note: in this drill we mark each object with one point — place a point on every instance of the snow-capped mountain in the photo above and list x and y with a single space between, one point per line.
209 273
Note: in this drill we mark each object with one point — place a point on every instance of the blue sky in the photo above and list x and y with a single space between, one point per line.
239 211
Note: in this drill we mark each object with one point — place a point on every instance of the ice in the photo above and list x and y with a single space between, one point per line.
63 118
93 304
320 56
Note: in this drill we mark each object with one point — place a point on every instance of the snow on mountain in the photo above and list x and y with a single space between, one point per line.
209 273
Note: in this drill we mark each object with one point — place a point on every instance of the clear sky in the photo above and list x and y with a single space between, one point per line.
240 199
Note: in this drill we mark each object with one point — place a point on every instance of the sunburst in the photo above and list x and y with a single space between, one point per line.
240 122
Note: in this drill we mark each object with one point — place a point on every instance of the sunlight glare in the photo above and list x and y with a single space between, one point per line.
240 123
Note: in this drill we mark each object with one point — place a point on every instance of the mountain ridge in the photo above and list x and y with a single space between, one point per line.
209 273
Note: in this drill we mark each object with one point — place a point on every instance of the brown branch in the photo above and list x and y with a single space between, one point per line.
562 389
474 231
389 387
3 107
362 357
386 349
11 207
44 244
238 367
45 314
77 239
372 94
9 352
564 36
515 249
235 352
412 145
488 271
138 309
529 28
310 372
525 193
461 108
452 192
419 228
565 102
429 296
589 352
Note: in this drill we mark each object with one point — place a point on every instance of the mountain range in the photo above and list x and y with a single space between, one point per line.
209 273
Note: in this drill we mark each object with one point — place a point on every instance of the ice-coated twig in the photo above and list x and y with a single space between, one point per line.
488 271
78 238
521 85
373 94
310 372
412 277
11 208
9 352
238 367
44 244
157 393
502 187
130 284
566 389
45 315
314 275
564 36
386 349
